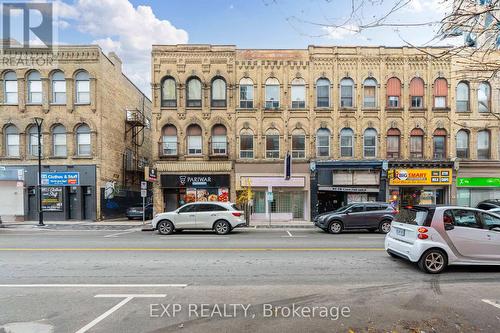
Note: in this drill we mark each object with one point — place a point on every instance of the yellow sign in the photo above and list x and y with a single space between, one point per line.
420 176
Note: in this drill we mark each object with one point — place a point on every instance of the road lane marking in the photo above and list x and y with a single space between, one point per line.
289 233
91 285
490 302
130 295
191 249
194 237
104 315
128 231
372 237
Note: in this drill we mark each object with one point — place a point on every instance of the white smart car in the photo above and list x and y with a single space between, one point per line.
438 236
221 217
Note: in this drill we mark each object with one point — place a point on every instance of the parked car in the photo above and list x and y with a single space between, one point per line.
438 236
489 204
221 217
363 215
135 212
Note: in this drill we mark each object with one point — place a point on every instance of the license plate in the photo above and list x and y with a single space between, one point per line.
400 232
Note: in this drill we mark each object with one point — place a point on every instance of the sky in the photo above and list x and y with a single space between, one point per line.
130 27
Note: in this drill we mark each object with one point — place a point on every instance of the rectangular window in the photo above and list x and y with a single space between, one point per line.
59 92
417 102
246 146
272 96
393 101
194 145
219 145
11 92
323 146
346 96
370 146
369 94
59 144
84 148
35 92
346 146
298 146
392 146
272 146
169 145
439 102
439 147
323 97
298 94
12 144
416 146
82 92
462 106
246 97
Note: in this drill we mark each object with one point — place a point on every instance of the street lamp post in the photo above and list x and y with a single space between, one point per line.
39 122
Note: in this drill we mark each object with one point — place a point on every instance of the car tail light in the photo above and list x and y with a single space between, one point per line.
422 230
238 214
423 236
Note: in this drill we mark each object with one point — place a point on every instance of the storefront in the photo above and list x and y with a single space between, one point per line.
274 197
68 192
338 183
184 188
477 181
419 186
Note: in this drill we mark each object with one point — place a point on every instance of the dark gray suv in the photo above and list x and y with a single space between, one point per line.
361 215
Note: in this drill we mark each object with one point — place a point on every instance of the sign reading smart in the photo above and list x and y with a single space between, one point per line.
60 178
420 176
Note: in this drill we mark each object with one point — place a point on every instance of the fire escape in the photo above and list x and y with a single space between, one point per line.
133 163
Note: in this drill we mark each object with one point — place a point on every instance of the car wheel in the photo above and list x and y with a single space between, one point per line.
433 261
165 227
385 226
335 227
222 227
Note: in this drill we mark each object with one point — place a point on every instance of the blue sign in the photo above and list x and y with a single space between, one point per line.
60 178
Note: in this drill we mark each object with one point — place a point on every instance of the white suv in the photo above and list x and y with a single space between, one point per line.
222 217
438 236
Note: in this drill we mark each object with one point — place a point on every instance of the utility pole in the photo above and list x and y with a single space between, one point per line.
39 122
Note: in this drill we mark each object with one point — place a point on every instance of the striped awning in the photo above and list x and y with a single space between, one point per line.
194 166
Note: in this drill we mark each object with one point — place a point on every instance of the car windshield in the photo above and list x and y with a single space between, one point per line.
411 216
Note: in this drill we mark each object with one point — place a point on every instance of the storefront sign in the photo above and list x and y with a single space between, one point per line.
420 176
348 189
52 199
60 178
272 182
478 182
151 174
175 181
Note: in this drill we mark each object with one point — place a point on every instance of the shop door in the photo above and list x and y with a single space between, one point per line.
87 202
32 203
170 203
73 203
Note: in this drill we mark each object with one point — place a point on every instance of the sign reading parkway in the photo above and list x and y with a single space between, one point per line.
60 178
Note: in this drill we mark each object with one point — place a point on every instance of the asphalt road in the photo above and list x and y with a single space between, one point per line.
248 281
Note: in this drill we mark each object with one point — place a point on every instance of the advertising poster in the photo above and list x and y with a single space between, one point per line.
52 199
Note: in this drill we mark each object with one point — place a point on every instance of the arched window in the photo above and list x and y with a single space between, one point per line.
168 92
193 93
34 88
323 93
462 97
169 140
393 93
32 139
440 93
194 140
439 144
218 93
347 93
272 93
246 93
83 141
298 93
246 143
219 140
298 144
370 143
346 142
12 141
58 84
10 88
59 141
416 143
462 145
417 93
484 97
323 142
370 93
483 145
393 143
272 143
82 87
